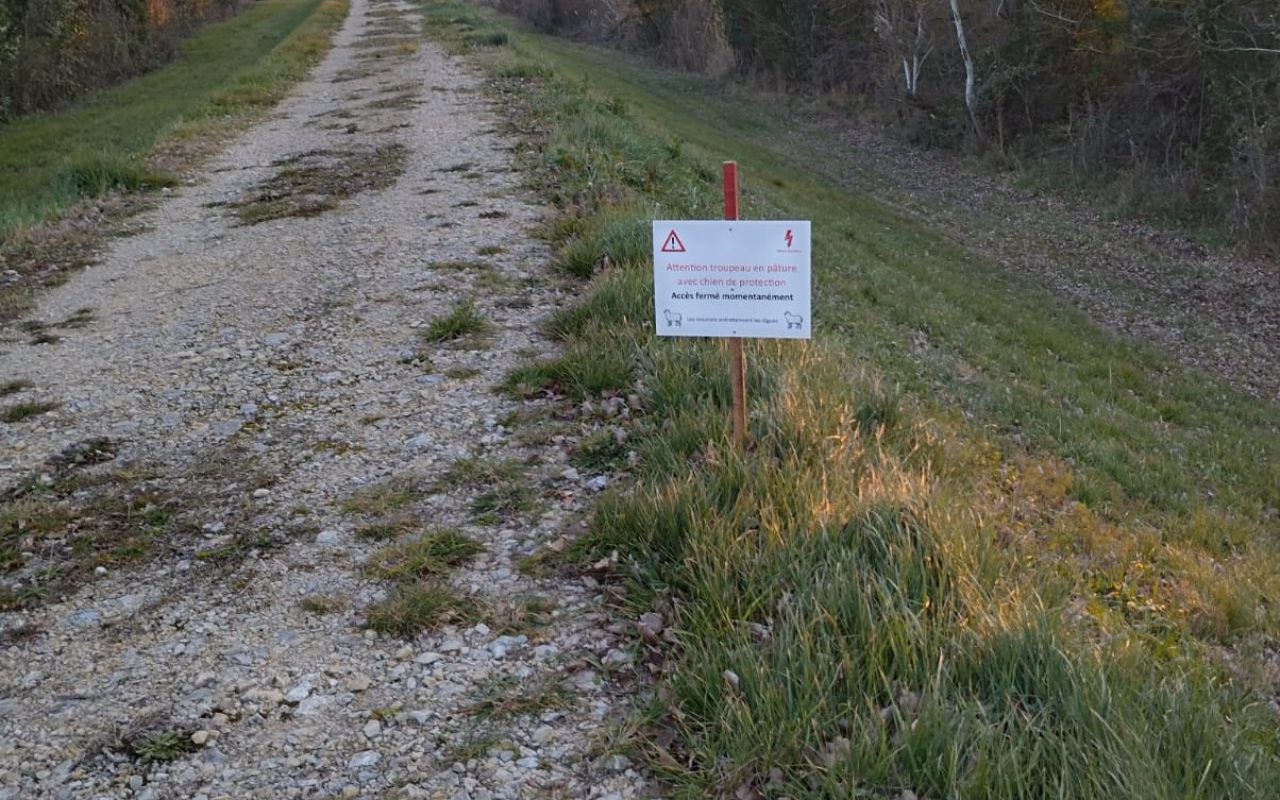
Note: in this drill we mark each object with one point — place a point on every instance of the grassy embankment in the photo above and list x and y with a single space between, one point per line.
225 77
981 548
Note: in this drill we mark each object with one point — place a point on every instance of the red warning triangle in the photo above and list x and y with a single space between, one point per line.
673 245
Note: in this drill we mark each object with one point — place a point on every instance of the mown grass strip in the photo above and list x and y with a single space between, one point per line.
981 548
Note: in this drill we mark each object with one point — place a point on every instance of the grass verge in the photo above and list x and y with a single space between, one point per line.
981 547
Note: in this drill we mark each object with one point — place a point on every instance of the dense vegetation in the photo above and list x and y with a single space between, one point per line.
981 548
1176 103
52 51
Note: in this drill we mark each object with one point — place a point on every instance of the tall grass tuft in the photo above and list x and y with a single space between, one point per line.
95 176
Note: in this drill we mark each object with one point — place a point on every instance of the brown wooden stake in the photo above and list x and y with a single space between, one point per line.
738 359
739 377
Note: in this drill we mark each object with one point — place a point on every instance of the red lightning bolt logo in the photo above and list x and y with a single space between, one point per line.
790 237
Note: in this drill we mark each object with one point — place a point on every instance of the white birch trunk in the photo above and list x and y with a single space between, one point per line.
970 78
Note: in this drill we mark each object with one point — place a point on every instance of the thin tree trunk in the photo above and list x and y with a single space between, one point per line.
970 77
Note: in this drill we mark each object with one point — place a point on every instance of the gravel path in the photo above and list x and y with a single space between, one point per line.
281 367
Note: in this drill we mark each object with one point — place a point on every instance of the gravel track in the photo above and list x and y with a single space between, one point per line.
295 345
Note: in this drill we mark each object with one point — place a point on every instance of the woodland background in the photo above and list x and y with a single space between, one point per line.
54 51
1171 105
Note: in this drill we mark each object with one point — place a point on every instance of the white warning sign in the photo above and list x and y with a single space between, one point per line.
732 279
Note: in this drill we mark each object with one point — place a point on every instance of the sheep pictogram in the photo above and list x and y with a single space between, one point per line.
793 320
674 320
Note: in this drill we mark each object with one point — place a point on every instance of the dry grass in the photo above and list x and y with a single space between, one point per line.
382 499
78 513
323 604
508 698
314 182
13 387
24 411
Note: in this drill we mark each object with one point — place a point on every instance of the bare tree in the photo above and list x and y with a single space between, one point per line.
903 24
970 73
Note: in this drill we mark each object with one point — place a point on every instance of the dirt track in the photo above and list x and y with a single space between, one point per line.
247 366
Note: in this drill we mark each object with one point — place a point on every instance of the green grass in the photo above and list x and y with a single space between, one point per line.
462 321
980 547
48 162
436 553
415 607
388 530
502 488
13 387
420 597
23 411
599 452
163 746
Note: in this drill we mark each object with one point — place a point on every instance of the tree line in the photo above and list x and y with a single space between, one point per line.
53 51
1175 103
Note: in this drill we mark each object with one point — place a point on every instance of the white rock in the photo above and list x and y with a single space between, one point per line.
329 538
313 705
544 734
364 760
452 644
